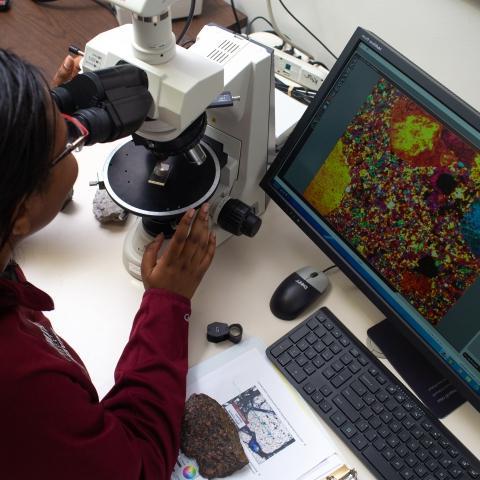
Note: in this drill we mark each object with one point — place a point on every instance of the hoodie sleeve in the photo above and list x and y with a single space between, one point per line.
62 430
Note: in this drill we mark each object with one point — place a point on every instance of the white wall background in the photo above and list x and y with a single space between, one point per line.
440 36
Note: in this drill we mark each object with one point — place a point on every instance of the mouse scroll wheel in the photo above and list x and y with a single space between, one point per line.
313 275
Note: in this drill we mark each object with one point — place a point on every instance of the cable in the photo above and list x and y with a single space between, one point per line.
287 39
187 44
281 35
301 94
188 22
237 21
309 31
253 20
331 267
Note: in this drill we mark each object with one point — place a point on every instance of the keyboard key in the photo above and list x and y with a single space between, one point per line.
310 353
325 406
284 358
318 362
327 339
359 388
309 369
301 360
336 333
407 474
328 373
344 341
349 430
338 419
309 388
353 398
421 470
379 444
327 355
312 323
360 441
326 390
319 347
473 473
317 397
294 351
299 334
410 460
281 347
335 348
376 459
341 378
369 382
296 372
311 338
303 345
345 406
354 367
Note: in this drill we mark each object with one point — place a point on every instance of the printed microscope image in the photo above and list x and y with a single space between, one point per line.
404 191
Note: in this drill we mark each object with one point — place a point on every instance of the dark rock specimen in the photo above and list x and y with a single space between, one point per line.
211 438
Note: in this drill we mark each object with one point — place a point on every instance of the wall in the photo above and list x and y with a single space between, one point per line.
440 36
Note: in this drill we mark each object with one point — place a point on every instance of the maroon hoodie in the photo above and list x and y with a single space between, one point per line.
52 424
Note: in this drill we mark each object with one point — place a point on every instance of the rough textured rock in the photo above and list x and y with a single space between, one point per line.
211 438
106 210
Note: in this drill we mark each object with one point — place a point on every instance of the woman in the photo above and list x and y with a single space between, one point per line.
53 425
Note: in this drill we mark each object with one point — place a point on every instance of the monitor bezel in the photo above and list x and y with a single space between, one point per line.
441 93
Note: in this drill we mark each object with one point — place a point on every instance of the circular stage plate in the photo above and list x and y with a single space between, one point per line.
129 167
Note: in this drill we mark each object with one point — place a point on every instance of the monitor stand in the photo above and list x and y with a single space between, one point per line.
432 388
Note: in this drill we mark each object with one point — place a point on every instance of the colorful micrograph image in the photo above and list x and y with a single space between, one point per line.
404 191
260 428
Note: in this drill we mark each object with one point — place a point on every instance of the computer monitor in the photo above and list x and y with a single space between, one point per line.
382 172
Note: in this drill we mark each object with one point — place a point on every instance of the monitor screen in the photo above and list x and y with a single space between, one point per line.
383 173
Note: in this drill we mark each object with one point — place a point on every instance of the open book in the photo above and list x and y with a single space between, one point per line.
281 437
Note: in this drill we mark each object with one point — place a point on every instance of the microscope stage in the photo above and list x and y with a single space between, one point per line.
127 173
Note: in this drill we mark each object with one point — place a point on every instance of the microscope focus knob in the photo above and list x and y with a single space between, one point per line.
238 218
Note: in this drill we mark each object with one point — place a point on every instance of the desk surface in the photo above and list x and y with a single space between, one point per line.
79 262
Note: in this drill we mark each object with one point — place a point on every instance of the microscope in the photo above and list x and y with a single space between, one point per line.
206 132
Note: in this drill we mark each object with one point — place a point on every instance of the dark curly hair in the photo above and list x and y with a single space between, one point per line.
27 127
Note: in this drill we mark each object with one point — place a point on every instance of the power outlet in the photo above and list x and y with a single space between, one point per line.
299 71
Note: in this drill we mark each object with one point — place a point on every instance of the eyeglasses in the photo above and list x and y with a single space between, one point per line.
76 136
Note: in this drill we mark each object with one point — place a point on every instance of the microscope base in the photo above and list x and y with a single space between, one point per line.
137 239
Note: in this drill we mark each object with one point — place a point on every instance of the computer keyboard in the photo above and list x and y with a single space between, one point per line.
389 430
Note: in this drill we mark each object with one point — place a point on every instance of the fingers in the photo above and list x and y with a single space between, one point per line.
180 237
149 259
209 253
68 69
197 242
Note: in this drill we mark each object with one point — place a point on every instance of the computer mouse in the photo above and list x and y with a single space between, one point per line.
297 292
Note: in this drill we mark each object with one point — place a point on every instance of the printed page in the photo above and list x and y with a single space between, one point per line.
280 437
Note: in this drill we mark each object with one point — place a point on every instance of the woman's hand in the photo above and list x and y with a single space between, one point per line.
188 256
67 70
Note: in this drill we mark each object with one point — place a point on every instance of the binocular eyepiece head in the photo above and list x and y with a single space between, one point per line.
111 103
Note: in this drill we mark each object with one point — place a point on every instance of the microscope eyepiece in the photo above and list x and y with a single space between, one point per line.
112 103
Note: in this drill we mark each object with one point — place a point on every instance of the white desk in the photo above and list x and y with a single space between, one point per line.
79 262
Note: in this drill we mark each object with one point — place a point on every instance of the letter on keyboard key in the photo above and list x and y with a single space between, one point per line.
281 347
341 378
296 372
